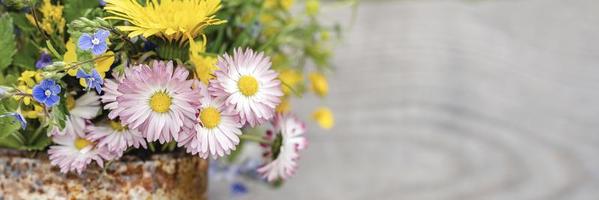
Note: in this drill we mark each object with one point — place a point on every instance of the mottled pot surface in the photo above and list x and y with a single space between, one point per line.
165 176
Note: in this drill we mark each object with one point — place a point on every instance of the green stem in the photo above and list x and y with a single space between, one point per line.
36 21
83 62
51 48
254 138
36 134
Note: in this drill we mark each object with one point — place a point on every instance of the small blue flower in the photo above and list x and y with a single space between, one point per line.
96 43
17 117
102 2
47 92
238 189
43 61
93 80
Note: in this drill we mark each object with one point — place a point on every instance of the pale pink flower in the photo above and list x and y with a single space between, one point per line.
116 137
157 100
74 151
246 82
288 132
218 130
86 107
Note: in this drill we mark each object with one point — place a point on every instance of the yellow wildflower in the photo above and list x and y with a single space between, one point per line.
30 78
70 56
51 20
35 113
312 7
325 35
285 4
290 78
26 90
26 81
101 65
284 106
324 117
204 65
319 83
169 19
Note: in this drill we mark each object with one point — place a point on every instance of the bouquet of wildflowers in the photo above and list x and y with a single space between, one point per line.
91 81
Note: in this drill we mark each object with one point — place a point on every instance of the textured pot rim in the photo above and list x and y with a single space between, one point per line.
43 156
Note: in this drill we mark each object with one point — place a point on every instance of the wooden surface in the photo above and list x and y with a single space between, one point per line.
447 99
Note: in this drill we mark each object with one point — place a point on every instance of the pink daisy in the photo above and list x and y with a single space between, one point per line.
218 130
287 140
156 100
247 82
86 107
116 137
74 151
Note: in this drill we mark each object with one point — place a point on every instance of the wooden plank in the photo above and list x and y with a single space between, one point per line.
445 99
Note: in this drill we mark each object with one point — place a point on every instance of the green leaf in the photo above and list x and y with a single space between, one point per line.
8 125
40 143
59 114
22 23
7 79
26 55
74 9
13 141
7 41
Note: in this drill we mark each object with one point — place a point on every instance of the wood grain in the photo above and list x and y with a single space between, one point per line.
440 99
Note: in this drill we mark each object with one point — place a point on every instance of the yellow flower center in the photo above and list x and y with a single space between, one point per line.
70 102
81 143
160 102
117 126
210 117
248 85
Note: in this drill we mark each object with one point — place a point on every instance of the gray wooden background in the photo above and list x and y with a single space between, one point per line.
458 99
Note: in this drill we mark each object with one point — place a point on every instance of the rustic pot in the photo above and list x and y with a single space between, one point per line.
165 176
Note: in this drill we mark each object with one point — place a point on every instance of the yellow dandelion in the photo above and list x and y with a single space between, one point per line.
204 65
319 83
324 117
169 19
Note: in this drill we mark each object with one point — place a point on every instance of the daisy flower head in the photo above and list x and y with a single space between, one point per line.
217 130
287 137
111 91
84 108
116 137
168 19
157 100
96 42
247 83
73 152
47 92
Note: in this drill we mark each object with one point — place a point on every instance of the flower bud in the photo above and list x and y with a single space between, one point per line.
102 22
